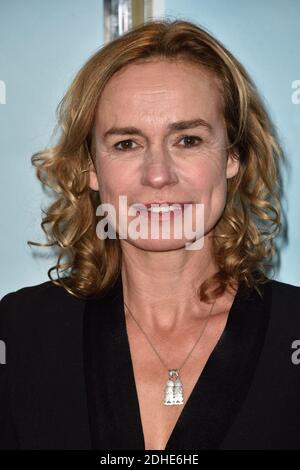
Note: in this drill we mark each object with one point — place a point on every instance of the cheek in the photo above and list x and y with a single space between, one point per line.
210 187
112 182
116 184
209 180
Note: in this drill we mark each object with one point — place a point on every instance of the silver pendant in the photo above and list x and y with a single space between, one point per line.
173 389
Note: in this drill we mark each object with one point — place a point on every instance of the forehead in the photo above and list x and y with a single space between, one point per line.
163 88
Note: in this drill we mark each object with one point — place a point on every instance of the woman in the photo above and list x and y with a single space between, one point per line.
151 342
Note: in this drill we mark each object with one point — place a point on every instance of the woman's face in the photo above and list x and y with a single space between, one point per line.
156 160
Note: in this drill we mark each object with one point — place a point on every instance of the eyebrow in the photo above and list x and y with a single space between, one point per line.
174 126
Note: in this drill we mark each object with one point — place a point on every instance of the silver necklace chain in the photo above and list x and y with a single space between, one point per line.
163 362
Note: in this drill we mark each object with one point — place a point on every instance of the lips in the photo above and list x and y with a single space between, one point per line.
162 210
148 205
166 203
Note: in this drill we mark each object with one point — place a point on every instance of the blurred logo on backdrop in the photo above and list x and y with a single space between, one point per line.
296 92
2 92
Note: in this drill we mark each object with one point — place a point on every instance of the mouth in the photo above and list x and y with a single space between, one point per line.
163 207
162 211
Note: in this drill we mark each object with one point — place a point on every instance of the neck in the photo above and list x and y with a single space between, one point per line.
160 288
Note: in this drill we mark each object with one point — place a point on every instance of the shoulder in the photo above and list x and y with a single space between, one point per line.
45 303
279 303
284 288
33 292
47 294
285 297
283 300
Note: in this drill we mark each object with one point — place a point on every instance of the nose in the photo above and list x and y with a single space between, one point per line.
158 169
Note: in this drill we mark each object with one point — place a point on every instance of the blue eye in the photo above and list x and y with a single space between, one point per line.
191 138
126 148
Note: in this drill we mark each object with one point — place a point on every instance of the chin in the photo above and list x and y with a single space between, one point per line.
159 245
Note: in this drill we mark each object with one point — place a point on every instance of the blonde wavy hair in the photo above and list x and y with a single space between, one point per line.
243 240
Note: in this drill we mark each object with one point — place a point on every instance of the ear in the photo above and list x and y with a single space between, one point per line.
93 178
233 164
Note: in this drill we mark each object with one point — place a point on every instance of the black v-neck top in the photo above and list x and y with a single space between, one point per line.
68 381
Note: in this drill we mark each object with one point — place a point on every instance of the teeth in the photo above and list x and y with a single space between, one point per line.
163 209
